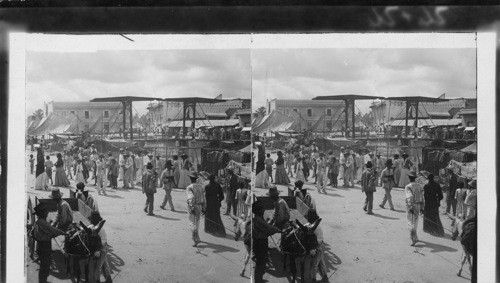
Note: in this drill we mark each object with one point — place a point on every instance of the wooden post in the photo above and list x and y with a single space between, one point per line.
353 120
406 118
124 113
346 117
131 127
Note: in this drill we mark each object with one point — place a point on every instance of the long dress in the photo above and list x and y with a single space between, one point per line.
261 176
404 179
299 174
213 222
397 171
184 179
42 181
177 172
241 207
432 195
460 195
79 174
60 180
281 175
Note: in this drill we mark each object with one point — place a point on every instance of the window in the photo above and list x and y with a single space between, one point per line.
106 113
329 125
87 114
87 127
309 112
329 112
106 127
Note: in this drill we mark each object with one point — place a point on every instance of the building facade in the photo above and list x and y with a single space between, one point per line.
93 117
387 110
323 115
163 112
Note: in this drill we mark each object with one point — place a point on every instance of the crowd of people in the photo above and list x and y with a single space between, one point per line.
307 164
87 167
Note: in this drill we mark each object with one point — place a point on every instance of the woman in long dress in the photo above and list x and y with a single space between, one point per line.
214 196
299 173
60 179
177 170
460 195
42 181
241 197
432 197
79 172
281 175
407 164
397 169
184 179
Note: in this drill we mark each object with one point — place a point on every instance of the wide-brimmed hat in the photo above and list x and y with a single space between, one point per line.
121 149
273 190
193 175
40 208
388 162
95 216
473 184
158 155
55 193
150 155
257 205
412 173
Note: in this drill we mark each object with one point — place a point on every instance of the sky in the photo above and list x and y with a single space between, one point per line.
386 72
82 76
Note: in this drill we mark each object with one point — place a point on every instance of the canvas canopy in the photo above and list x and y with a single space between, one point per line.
471 148
274 122
427 123
205 123
54 124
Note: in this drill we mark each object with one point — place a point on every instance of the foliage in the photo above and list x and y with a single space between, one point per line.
260 112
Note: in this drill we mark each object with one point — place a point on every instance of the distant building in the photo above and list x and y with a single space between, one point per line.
387 110
245 117
163 112
93 117
469 117
311 111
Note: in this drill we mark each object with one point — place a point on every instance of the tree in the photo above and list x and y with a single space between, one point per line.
261 111
38 114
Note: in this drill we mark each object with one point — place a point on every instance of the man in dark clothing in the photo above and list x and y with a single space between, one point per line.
149 188
43 233
368 180
231 194
261 230
451 202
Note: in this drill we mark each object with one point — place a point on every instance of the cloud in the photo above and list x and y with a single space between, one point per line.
306 73
166 73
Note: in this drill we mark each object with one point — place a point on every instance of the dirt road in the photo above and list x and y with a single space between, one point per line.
376 248
153 248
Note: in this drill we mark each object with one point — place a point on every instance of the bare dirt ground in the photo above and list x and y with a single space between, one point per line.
375 248
152 248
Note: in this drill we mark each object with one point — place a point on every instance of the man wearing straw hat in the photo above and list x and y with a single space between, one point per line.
149 188
387 179
414 205
281 214
261 230
43 233
64 216
196 206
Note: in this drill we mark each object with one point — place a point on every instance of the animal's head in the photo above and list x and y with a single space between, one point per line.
308 238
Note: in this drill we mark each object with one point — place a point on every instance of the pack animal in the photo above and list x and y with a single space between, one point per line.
81 243
457 228
296 243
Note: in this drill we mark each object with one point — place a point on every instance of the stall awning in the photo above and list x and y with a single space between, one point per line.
470 129
471 148
246 129
205 123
